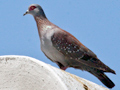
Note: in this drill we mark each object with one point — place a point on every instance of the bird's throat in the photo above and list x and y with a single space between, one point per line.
42 24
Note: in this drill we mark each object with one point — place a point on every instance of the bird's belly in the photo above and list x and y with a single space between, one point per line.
51 52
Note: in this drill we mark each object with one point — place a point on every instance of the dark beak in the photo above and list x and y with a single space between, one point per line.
26 13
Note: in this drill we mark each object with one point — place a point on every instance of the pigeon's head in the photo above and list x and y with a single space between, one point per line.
35 10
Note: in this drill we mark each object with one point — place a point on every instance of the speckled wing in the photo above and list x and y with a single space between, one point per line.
76 52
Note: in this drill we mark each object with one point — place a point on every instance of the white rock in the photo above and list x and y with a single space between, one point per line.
26 73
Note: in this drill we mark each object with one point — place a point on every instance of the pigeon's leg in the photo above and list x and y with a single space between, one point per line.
61 66
64 68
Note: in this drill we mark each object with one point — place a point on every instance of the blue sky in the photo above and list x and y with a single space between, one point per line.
95 23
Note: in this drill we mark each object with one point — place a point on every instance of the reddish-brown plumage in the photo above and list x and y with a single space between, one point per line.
72 49
64 49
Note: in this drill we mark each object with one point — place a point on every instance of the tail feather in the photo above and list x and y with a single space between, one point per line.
104 79
96 72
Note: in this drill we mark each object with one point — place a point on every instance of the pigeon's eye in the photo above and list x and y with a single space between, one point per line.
32 8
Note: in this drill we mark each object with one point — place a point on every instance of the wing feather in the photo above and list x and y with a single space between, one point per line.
75 51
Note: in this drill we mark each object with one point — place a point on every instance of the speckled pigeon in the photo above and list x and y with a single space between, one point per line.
65 50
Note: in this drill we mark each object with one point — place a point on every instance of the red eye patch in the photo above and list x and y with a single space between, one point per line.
32 8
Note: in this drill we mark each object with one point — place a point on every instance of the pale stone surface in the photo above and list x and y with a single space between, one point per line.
26 73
